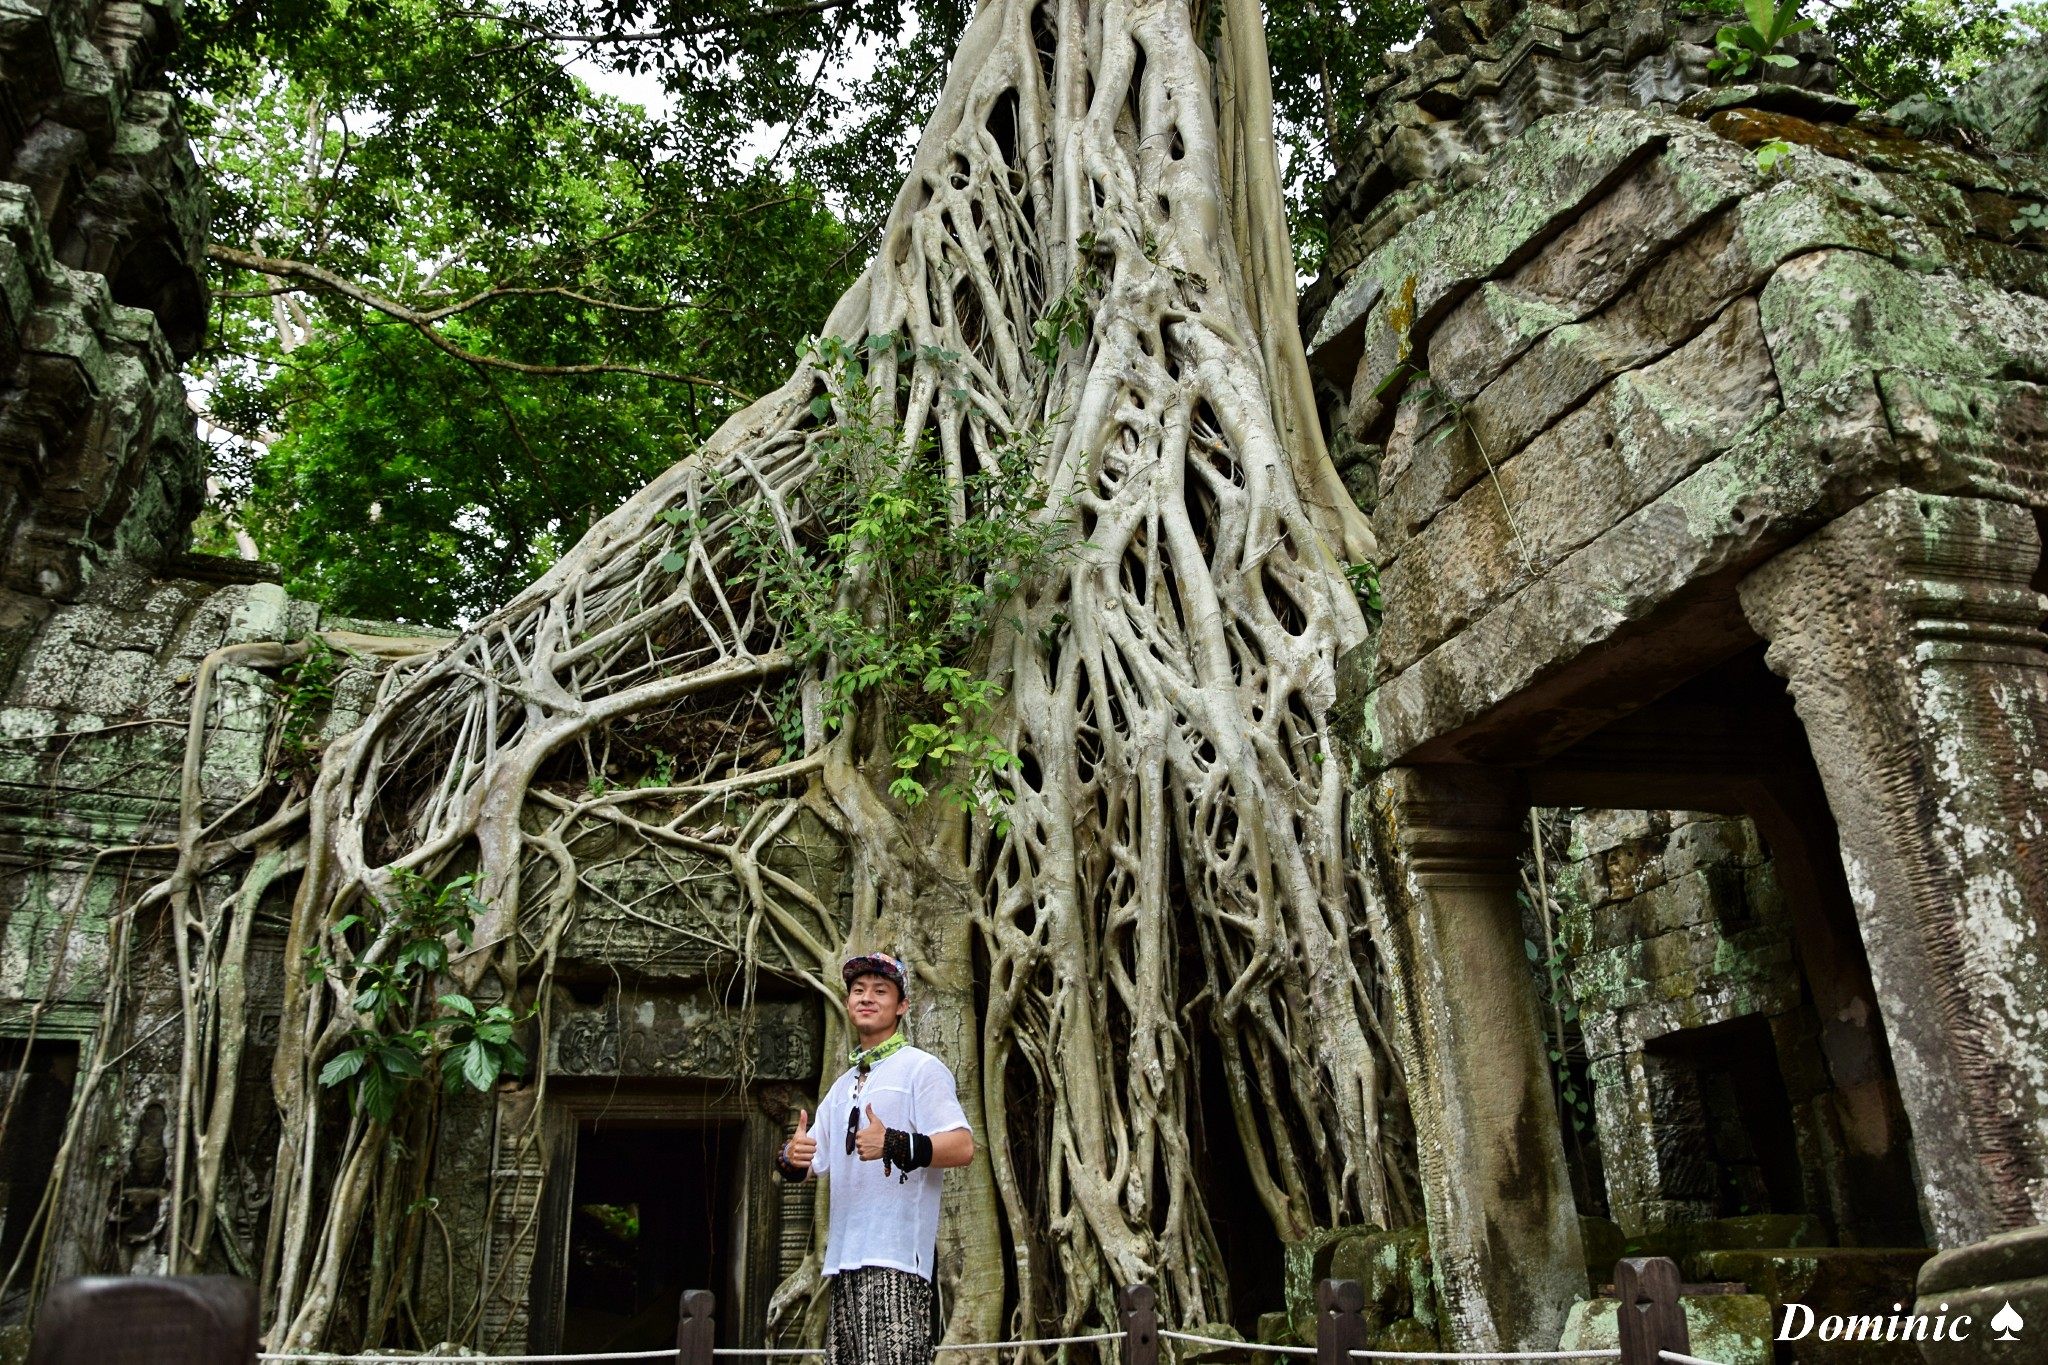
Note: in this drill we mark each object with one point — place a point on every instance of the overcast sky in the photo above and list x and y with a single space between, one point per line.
644 89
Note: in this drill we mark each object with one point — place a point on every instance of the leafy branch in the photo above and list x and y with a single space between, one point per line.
305 694
901 573
322 280
397 1038
1066 318
1756 43
1364 578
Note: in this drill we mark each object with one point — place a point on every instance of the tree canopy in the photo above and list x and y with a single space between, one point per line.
468 303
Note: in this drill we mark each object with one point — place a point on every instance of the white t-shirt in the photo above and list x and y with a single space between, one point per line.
878 1219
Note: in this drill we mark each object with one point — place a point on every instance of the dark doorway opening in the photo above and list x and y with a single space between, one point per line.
1725 1129
35 1096
652 1213
1252 1259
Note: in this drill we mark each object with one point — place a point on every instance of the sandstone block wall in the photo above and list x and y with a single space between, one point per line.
1713 1096
102 296
1484 74
94 708
1647 385
1628 359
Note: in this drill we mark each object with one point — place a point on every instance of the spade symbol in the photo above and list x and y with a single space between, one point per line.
2007 1322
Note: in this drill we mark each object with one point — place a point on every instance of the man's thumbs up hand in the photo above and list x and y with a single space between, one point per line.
868 1141
802 1147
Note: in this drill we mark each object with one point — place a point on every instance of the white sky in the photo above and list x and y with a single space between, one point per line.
644 89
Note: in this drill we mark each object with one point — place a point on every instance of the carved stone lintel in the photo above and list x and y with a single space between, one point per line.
1504 1233
1910 634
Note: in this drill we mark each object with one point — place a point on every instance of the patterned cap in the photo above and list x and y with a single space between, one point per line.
876 964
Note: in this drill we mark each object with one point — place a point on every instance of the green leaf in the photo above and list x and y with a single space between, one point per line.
673 562
398 1061
460 1004
480 1067
343 1066
430 954
1529 946
821 408
378 1093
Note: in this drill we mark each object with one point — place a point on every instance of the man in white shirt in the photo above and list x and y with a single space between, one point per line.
893 1122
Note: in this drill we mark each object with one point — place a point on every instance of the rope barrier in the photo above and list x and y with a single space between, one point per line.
1035 1341
1610 1353
667 1354
1239 1345
765 1351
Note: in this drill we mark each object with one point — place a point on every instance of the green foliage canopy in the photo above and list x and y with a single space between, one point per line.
1325 54
1891 50
468 304
486 304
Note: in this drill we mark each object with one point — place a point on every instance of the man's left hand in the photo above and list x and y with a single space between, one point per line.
868 1141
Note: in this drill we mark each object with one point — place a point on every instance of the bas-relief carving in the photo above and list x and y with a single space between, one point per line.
685 1036
665 915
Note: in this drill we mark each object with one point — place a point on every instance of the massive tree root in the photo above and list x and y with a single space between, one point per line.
1089 246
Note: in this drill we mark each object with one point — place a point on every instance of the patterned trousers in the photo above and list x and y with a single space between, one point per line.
879 1316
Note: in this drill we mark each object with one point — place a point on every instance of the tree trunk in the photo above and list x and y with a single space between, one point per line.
1089 257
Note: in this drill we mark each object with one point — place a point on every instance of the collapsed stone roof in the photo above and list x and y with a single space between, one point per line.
102 296
1485 72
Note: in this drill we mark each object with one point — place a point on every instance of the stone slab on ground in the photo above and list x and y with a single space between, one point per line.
1982 1280
1832 1281
1731 1329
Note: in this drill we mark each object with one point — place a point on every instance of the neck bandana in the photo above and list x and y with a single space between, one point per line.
865 1057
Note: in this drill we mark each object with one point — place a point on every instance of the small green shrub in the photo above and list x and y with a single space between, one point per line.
1746 48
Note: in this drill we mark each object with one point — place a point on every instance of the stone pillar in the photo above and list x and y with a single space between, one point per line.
1503 1230
1911 637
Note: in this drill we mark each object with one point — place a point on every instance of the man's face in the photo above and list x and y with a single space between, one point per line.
874 1002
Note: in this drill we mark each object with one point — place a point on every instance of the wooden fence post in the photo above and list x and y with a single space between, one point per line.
155 1320
696 1334
1340 1329
1141 1324
1651 1317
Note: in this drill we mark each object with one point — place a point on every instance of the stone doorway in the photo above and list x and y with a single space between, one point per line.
1725 1129
653 1211
36 1081
648 1190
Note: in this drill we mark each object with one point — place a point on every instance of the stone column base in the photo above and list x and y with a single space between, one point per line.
1978 1281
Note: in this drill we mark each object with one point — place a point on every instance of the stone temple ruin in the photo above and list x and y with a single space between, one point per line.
1714 486
1709 489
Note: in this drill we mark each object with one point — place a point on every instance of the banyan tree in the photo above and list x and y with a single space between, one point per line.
1029 585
